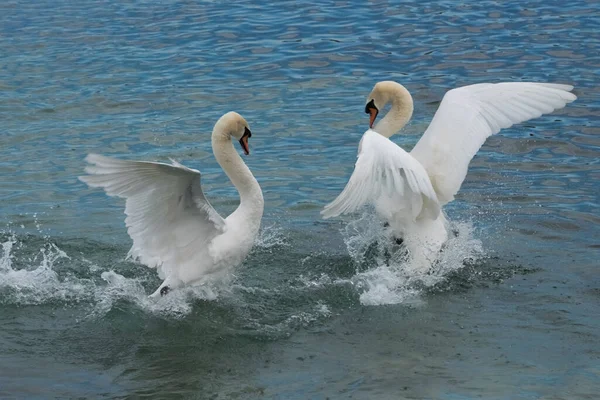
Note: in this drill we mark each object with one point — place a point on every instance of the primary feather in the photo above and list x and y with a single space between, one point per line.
468 115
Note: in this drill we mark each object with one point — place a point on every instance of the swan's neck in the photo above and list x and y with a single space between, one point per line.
399 114
251 198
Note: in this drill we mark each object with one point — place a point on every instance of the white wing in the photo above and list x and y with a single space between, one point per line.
168 217
386 175
468 115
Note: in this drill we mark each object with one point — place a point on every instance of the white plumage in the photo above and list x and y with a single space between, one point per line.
469 115
385 171
173 226
408 189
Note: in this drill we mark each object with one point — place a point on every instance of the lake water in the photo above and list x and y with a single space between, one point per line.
319 309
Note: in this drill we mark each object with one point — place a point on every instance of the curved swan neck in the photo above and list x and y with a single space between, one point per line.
400 112
251 198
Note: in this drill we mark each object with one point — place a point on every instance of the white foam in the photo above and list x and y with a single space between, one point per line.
119 288
30 277
386 285
35 281
389 278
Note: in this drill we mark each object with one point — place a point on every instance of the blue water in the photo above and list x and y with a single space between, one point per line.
316 311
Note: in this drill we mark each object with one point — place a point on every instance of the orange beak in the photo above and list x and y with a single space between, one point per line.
244 144
244 141
372 115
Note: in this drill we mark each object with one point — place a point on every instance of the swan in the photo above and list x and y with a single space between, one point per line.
409 190
173 226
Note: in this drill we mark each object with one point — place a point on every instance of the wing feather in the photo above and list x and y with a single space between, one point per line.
468 115
168 216
384 173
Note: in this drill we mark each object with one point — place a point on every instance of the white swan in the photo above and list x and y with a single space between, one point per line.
173 226
409 189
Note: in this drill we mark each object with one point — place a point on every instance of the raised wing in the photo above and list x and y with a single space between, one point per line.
468 115
168 217
387 176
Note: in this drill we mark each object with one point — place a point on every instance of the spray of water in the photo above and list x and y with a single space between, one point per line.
37 271
270 236
31 273
384 274
37 283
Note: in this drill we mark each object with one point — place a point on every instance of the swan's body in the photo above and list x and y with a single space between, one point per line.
409 189
173 226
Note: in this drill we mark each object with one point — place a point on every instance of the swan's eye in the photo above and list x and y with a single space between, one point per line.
247 132
370 105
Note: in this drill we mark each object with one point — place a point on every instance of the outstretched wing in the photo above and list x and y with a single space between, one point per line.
387 176
468 115
168 217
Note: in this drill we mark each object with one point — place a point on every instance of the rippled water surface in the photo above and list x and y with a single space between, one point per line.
320 309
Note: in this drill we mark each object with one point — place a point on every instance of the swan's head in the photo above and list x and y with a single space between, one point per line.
384 92
235 126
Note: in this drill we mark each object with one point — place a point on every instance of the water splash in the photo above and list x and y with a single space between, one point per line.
384 274
35 277
37 282
271 236
34 271
131 290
